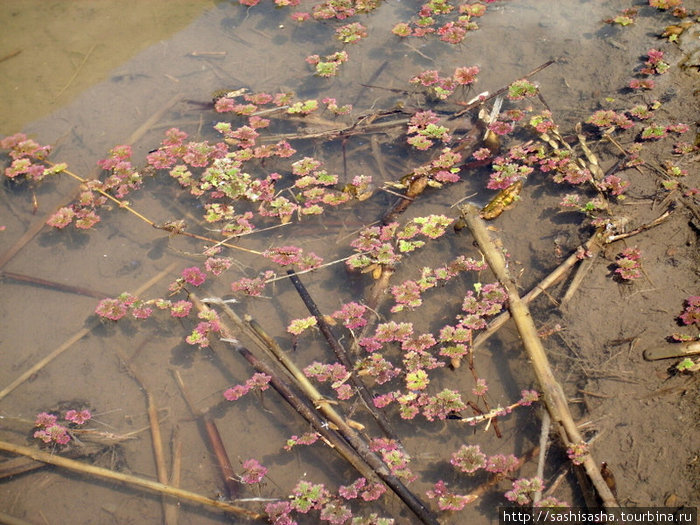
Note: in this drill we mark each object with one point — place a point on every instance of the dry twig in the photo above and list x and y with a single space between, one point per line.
553 394
127 479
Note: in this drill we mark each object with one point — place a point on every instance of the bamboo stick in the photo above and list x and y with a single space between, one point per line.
560 271
553 394
156 435
171 509
270 346
349 445
497 322
127 479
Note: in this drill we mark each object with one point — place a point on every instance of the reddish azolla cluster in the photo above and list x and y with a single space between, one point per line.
334 373
423 130
253 472
439 17
51 431
524 489
385 245
691 313
351 33
209 324
118 307
329 65
521 89
308 438
293 255
121 180
447 500
408 293
607 118
351 315
29 161
654 65
257 381
629 264
253 287
362 489
307 497
442 87
27 158
577 452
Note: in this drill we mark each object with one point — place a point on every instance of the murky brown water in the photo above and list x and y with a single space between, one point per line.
98 84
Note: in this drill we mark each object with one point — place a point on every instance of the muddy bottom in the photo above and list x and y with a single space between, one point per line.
56 354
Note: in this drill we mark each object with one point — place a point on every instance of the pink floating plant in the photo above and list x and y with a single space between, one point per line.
194 276
253 472
78 417
113 309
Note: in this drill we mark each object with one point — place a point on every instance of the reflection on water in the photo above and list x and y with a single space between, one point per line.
103 86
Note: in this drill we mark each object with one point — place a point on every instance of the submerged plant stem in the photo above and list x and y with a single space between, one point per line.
553 393
128 479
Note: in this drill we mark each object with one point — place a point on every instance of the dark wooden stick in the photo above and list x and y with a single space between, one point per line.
52 284
346 441
341 354
369 462
231 484
154 425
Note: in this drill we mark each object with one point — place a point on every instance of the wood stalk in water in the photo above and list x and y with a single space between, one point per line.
79 290
127 479
231 484
345 441
341 354
553 394
76 337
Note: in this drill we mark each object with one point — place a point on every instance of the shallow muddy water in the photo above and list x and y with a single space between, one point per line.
139 68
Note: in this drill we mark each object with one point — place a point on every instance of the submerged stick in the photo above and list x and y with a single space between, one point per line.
231 484
172 510
349 445
52 284
271 347
76 337
553 394
128 479
154 425
341 354
39 225
669 350
560 271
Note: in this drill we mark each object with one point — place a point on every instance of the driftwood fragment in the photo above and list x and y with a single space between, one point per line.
342 355
346 441
553 394
127 479
231 485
